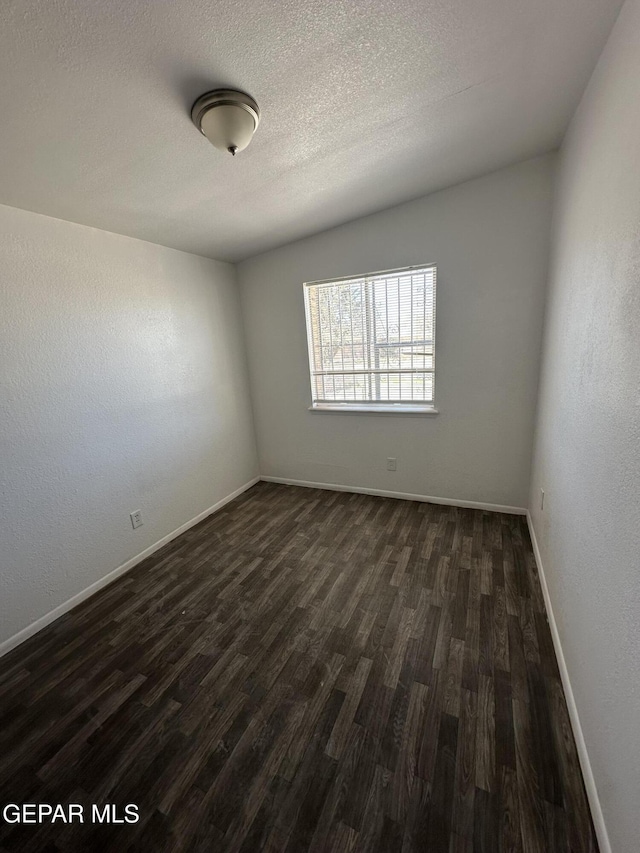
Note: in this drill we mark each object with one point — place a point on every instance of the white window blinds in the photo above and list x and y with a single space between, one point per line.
372 338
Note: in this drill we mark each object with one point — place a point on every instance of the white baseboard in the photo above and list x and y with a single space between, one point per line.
50 617
360 490
583 756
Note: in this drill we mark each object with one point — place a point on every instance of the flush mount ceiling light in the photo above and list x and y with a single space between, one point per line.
227 118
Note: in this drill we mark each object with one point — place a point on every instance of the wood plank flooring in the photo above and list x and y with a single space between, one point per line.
304 671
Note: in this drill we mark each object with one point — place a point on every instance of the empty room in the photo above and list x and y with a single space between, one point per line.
320 426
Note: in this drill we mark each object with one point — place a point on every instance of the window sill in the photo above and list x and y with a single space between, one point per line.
355 409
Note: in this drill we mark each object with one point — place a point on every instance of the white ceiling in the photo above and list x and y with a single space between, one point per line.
364 104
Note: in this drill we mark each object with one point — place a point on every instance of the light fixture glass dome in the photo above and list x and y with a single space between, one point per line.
227 118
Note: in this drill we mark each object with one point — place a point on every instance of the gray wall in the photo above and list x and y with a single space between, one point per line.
587 451
489 238
123 385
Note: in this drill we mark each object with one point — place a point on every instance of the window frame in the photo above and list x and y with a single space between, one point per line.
370 406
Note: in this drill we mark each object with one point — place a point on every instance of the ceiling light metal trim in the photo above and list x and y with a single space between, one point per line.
223 97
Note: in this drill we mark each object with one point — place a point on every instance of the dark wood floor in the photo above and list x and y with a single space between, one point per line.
304 671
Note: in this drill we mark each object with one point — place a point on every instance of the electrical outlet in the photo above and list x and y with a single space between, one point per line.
136 519
541 499
391 463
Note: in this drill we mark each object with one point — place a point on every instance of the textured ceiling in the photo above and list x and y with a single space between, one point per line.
364 104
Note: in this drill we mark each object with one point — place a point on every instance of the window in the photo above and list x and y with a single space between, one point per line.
371 341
